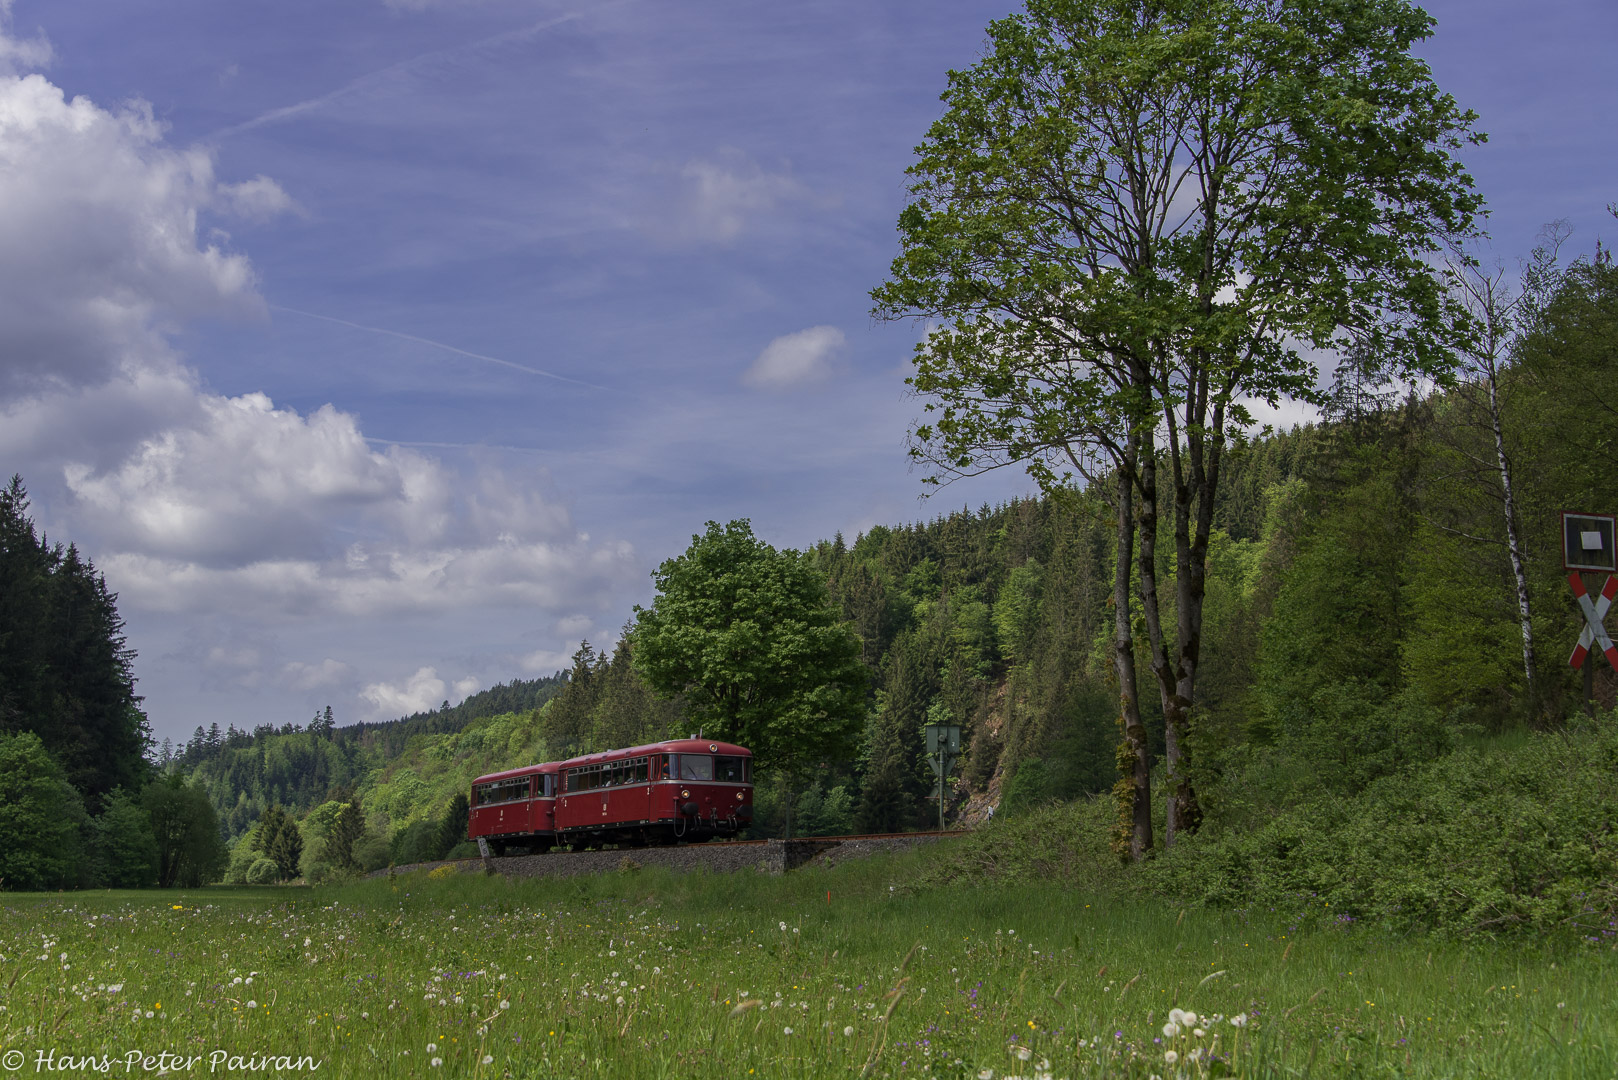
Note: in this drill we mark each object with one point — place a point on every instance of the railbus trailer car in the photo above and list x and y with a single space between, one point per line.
514 808
663 793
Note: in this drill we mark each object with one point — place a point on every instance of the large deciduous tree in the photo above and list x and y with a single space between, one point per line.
1136 214
748 635
186 828
41 817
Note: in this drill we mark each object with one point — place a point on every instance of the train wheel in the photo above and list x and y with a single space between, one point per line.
498 847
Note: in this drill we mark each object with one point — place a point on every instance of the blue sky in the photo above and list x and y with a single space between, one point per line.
379 352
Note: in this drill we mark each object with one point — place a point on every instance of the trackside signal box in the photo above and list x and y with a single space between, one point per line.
1587 542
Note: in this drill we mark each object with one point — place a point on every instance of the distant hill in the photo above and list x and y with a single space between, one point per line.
301 766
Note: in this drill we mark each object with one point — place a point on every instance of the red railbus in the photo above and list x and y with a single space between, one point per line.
515 808
681 789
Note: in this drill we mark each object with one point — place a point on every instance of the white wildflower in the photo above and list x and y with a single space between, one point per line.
1170 1057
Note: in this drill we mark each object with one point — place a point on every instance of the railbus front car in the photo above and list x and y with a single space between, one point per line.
515 808
662 793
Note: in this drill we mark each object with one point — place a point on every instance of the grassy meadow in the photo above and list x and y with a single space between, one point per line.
823 973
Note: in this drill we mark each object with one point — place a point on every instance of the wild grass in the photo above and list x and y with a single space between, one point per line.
847 972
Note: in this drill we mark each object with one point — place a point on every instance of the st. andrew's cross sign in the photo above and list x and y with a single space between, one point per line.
1588 543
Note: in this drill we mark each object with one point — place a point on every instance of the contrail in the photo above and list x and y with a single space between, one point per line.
286 112
440 345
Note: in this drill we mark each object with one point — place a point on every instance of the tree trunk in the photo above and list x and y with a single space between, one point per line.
1135 755
1514 549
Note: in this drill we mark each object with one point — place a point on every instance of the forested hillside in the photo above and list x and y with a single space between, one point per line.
1362 622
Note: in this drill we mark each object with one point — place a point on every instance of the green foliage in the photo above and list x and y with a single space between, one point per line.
1016 610
416 842
41 818
349 828
1508 839
748 635
452 827
262 871
186 829
125 851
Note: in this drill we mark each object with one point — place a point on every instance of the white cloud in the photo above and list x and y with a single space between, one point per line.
422 691
247 481
99 249
20 56
258 199
795 359
717 199
546 661
241 506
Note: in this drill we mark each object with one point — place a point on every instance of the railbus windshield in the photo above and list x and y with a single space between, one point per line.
730 770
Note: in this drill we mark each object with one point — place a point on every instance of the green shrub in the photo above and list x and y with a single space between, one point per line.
262 872
41 818
1493 840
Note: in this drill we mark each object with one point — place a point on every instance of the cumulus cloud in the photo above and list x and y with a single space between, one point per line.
422 691
293 514
98 226
796 359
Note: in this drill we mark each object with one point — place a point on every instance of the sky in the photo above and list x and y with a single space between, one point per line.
379 351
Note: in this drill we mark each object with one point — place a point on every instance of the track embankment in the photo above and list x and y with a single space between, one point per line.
763 856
